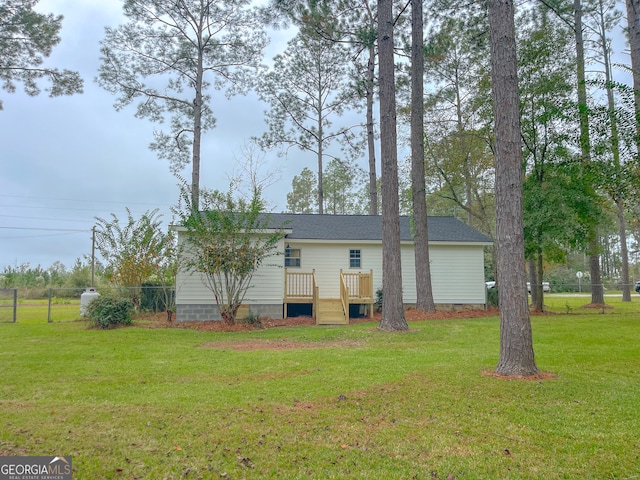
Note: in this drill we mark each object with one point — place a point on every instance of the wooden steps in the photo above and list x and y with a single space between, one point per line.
330 312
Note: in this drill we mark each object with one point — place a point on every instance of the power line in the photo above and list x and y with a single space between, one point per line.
46 235
47 207
84 200
22 217
46 229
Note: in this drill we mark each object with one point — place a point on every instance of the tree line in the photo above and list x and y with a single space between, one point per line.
37 278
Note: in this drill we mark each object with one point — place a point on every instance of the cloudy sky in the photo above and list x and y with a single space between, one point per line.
68 160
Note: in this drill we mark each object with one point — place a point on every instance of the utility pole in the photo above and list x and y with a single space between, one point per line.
93 253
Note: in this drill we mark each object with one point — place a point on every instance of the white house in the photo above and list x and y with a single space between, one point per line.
330 265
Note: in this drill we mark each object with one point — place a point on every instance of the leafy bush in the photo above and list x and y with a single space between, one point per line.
378 303
492 297
106 312
254 320
156 298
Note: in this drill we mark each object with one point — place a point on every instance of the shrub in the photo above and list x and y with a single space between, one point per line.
254 320
156 297
492 297
378 303
106 312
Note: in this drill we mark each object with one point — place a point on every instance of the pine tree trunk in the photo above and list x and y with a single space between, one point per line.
371 143
319 159
593 247
597 290
624 252
424 291
633 24
615 150
392 302
533 276
197 137
516 342
539 305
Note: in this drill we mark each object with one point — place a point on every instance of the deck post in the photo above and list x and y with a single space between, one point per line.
286 278
372 293
315 293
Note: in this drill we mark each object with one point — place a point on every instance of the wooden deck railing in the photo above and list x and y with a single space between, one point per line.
344 296
360 284
359 287
299 284
301 287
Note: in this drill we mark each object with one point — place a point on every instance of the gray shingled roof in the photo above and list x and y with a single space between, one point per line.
369 227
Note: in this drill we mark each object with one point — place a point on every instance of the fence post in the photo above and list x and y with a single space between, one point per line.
49 309
15 305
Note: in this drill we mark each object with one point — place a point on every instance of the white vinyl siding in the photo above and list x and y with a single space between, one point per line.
267 285
457 273
328 258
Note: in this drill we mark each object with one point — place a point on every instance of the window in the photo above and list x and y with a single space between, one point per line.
354 258
291 257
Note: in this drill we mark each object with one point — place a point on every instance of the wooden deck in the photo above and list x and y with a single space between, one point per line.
331 312
355 288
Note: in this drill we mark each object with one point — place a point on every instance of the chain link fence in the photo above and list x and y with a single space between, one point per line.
147 298
64 304
8 305
54 305
587 287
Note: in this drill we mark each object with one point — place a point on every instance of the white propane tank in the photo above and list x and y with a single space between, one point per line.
86 298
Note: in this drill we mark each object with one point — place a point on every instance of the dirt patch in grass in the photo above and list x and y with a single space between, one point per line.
280 344
538 377
413 315
159 320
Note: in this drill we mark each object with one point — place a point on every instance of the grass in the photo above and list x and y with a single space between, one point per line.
37 310
157 403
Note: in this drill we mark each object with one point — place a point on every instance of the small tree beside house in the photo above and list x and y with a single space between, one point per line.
135 251
227 240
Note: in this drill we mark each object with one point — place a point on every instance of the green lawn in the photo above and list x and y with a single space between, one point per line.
37 310
171 403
